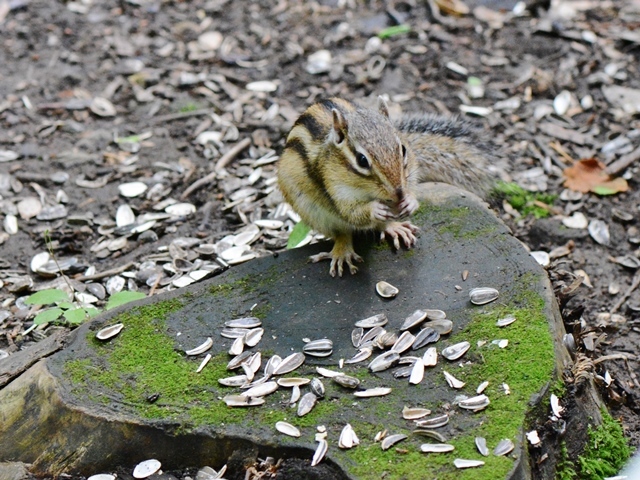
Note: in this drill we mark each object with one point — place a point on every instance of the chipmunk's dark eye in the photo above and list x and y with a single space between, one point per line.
363 161
404 151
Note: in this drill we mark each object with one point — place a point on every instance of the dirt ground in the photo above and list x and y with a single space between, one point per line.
79 77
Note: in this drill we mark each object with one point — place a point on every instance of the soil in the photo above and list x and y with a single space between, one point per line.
143 57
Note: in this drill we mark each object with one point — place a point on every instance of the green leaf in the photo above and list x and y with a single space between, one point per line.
604 190
66 305
47 316
298 234
121 298
129 139
75 316
474 81
45 297
395 30
91 311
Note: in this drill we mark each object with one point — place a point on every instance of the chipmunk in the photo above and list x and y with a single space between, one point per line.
347 168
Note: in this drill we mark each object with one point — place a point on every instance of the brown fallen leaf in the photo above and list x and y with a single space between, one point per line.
453 7
588 175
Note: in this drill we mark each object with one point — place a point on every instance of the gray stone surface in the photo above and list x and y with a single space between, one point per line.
81 421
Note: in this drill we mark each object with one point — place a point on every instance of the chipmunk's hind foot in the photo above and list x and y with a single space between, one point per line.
341 253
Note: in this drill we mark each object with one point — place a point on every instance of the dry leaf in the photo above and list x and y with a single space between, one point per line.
453 7
588 175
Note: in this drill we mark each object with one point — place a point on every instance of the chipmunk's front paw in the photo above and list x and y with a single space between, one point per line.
382 212
395 231
407 206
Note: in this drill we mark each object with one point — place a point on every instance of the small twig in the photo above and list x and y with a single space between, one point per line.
106 273
222 162
558 148
614 356
177 116
47 241
634 284
623 162
155 285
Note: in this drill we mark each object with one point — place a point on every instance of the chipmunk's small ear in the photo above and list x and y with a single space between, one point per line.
339 130
383 108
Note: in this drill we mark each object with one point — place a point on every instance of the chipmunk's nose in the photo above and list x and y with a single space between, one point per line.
399 194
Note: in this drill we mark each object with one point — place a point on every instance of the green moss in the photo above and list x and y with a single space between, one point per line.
526 365
565 469
144 362
189 107
524 201
606 451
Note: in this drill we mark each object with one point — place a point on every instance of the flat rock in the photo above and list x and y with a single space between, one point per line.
94 406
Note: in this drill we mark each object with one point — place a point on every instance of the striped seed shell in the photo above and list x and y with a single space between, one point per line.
203 347
346 381
414 413
234 332
481 388
483 295
433 422
385 340
373 392
292 381
481 445
417 373
403 343
414 319
348 437
320 452
317 387
430 357
455 351
235 381
272 364
503 322
436 447
306 403
433 314
261 390
443 326
237 346
253 337
238 360
378 320
287 429
464 463
356 336
391 440
318 348
245 322
109 332
384 361
295 394
386 290
403 372
361 356
426 432
453 381
290 363
370 335
504 446
424 337
476 403
242 401
325 372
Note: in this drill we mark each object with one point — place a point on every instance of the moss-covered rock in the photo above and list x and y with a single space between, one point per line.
142 394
